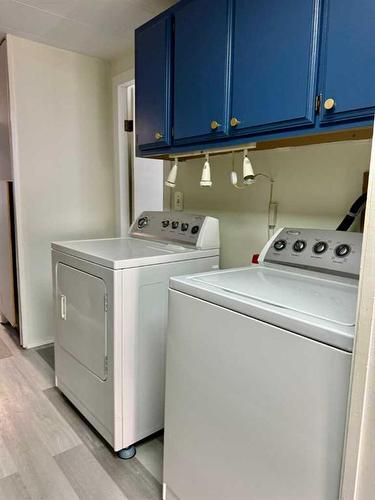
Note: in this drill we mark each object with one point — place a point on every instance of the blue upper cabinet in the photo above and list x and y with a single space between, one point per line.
201 69
274 64
348 60
153 83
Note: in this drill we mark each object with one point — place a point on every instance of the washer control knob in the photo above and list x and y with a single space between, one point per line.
342 250
194 229
175 224
142 222
299 246
320 247
184 226
165 223
279 245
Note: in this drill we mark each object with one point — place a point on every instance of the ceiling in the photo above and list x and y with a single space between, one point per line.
102 28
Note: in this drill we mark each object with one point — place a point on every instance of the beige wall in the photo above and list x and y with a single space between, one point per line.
122 64
314 186
62 126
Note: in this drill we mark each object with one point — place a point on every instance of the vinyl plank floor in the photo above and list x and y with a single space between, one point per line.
7 465
12 488
19 397
150 454
48 451
134 480
4 350
48 354
87 476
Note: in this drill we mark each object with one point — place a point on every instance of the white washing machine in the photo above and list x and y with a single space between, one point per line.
111 300
258 367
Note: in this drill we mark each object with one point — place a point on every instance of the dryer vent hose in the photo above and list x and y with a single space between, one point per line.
353 213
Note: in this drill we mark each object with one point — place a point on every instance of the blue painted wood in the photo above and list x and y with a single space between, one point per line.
274 64
238 140
348 59
201 69
153 83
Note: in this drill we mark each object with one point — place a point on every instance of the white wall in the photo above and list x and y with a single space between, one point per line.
62 130
314 186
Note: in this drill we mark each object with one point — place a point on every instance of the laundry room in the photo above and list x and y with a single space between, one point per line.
314 186
187 265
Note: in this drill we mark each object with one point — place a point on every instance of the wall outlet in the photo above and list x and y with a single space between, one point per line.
178 203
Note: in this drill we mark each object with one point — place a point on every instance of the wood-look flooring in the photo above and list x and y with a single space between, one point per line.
47 449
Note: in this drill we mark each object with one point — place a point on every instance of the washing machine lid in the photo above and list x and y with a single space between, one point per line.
287 298
122 253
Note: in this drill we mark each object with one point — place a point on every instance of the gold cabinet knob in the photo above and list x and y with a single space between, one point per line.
215 125
158 136
329 104
234 122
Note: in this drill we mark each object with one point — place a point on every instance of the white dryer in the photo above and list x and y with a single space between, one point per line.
111 300
258 377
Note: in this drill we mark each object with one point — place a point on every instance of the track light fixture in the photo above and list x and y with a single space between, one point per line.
171 180
206 173
248 176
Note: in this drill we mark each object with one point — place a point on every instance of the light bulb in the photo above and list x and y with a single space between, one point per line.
206 173
171 180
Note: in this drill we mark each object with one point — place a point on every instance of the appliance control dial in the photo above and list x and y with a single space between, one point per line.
165 223
342 250
184 226
299 246
194 229
320 247
175 224
279 245
142 222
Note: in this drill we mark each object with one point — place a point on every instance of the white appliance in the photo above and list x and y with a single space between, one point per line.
111 299
258 367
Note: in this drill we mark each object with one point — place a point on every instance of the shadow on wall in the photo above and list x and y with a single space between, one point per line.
314 187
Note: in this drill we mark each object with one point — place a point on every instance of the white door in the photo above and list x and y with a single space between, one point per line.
82 318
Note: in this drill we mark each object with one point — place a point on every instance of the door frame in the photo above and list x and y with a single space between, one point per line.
120 85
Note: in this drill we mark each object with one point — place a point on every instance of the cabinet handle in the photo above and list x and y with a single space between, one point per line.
329 104
215 125
159 136
234 122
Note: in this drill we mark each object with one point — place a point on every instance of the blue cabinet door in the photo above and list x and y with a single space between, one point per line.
153 84
201 72
274 64
348 60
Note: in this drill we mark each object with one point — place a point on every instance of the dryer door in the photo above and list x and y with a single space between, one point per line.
82 318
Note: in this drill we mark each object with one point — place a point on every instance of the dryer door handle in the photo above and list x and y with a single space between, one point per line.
63 307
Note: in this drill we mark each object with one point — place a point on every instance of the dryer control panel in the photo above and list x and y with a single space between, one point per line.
336 252
199 231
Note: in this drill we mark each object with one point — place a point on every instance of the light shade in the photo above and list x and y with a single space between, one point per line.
171 180
248 171
206 174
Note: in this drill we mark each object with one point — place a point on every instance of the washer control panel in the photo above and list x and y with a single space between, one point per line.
336 252
199 231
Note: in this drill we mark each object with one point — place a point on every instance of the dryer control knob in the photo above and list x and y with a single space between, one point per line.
299 246
142 222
